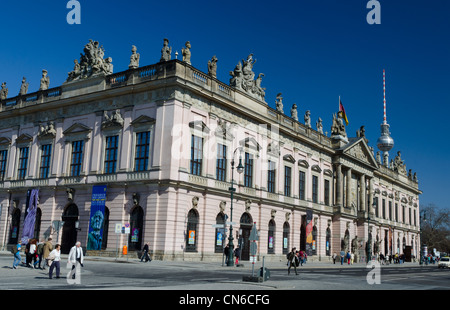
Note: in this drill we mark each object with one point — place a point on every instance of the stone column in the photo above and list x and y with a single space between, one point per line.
348 199
370 206
362 193
339 184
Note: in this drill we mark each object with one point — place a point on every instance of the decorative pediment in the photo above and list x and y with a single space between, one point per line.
47 131
250 143
303 163
76 129
143 122
5 141
199 125
273 149
316 168
328 172
24 138
289 158
360 151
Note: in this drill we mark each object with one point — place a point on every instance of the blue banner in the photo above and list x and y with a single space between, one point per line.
96 222
28 225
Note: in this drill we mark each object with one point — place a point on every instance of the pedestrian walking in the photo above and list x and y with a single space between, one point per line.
342 254
348 257
75 259
292 261
334 258
16 251
33 253
352 258
145 254
226 252
48 247
40 253
55 258
237 254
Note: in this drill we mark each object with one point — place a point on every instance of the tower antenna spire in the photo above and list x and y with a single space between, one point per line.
384 97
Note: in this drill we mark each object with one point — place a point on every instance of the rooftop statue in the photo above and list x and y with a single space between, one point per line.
319 125
23 87
212 67
399 165
338 127
134 59
3 92
166 51
279 103
294 113
45 81
307 118
91 63
186 52
243 78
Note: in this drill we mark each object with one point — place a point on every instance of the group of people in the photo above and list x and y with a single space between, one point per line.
43 255
296 258
236 254
345 257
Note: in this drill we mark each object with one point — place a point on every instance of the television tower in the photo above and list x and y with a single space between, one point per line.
385 143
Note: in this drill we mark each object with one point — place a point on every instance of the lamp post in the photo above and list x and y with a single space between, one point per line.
369 239
239 169
423 217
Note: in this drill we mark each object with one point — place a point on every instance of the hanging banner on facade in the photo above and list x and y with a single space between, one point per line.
96 222
30 218
309 233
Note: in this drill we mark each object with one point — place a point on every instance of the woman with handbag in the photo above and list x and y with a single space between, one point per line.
54 259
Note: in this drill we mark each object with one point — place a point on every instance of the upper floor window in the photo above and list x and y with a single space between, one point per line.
23 163
271 177
141 156
3 159
248 170
111 148
77 158
327 192
301 185
287 180
196 154
315 189
44 169
221 164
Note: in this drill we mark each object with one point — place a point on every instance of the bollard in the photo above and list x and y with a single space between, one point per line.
125 250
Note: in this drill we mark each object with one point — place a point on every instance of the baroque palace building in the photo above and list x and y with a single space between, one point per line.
148 155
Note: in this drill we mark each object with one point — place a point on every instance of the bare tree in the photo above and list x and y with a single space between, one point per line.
435 227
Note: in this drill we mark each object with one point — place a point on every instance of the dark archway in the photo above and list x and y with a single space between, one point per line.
15 227
303 234
286 233
271 237
37 223
136 228
246 224
192 231
105 229
69 231
219 238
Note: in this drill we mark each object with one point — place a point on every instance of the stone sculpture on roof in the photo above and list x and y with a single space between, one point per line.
134 58
279 103
399 165
92 63
212 67
294 113
3 92
186 52
23 87
166 51
45 81
338 127
243 78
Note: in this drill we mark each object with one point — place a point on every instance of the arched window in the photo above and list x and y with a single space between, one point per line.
271 238
69 231
191 231
246 224
219 238
286 232
136 227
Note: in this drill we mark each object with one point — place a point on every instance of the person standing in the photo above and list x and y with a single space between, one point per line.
145 254
16 251
75 258
334 258
237 254
40 253
48 247
291 257
55 255
342 253
226 252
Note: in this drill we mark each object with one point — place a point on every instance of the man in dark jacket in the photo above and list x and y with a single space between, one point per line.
292 257
145 254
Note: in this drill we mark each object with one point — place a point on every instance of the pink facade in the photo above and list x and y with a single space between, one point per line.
156 136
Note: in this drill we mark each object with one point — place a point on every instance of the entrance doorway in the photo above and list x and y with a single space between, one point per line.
246 224
69 231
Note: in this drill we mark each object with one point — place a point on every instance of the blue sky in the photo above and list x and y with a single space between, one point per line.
310 51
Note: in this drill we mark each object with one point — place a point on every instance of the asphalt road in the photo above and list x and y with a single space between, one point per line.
111 274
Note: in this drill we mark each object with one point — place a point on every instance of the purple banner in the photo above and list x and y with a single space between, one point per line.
30 219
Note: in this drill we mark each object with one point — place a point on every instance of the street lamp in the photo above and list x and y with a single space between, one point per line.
240 169
424 218
369 239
